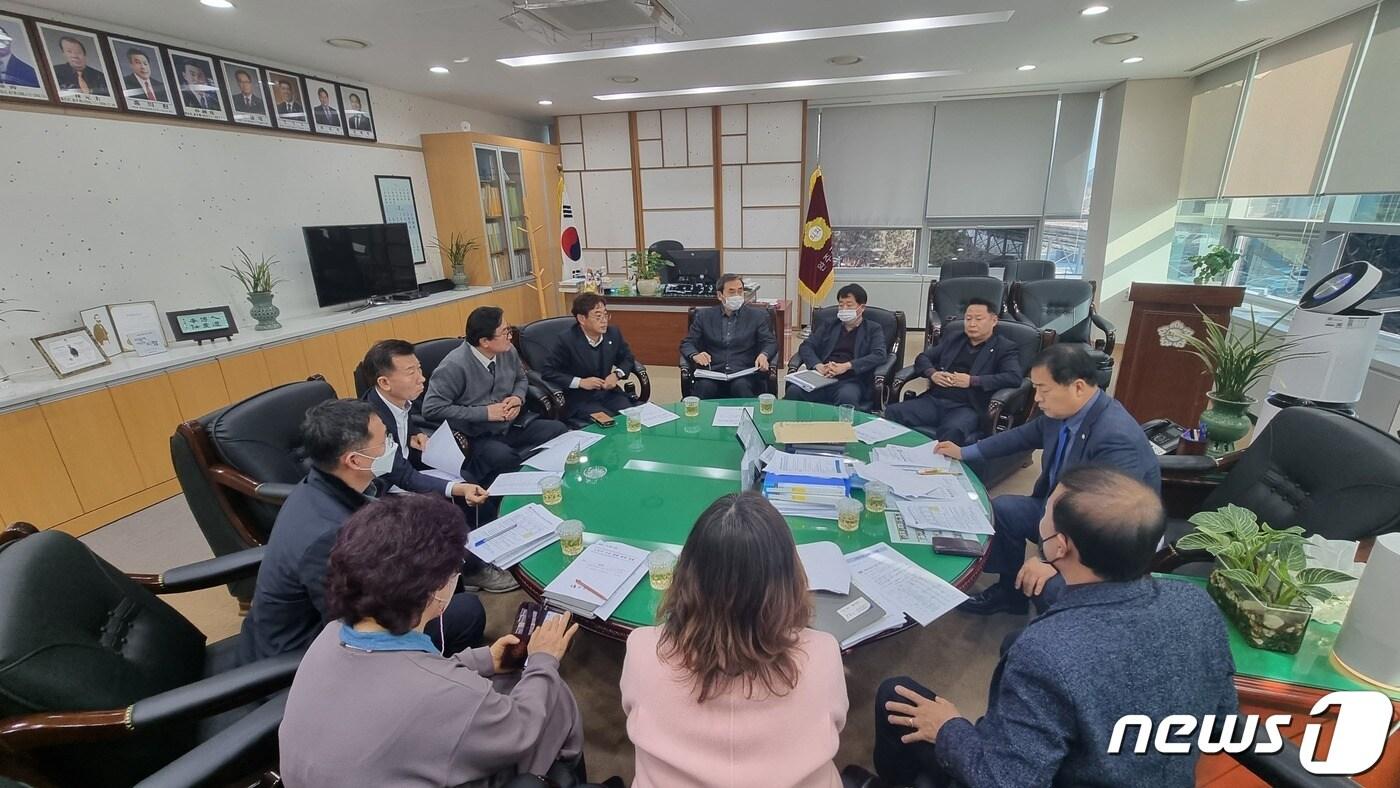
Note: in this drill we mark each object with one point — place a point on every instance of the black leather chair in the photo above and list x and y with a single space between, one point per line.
948 298
770 383
664 248
1028 271
894 326
237 464
536 341
1007 408
954 269
430 353
1065 308
101 682
1324 472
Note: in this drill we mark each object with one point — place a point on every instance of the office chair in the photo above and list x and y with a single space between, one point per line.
892 322
664 248
770 383
954 269
101 682
948 299
1028 271
1065 307
536 341
430 353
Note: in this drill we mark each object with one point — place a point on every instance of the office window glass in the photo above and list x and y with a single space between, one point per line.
1272 264
874 247
1199 225
991 245
1382 251
1367 208
1290 208
1063 242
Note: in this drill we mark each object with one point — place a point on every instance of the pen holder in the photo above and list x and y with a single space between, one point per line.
1193 448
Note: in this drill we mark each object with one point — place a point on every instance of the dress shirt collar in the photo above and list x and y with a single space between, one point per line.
591 341
1077 420
411 640
485 362
393 407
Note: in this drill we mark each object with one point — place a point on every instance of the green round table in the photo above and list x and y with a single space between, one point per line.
659 480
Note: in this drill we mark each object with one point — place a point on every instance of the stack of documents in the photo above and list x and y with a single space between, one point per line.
556 450
905 483
711 375
730 415
962 516
519 483
809 380
877 430
511 538
595 583
652 414
921 458
802 485
900 587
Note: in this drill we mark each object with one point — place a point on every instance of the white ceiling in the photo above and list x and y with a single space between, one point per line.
407 36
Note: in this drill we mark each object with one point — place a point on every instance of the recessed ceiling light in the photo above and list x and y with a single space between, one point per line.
1094 10
216 3
1132 60
1116 38
844 60
623 79
440 70
347 43
777 37
545 102
461 60
795 83
1027 67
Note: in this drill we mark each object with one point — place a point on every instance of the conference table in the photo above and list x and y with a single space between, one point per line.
660 479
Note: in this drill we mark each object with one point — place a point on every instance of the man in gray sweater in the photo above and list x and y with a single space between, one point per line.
479 389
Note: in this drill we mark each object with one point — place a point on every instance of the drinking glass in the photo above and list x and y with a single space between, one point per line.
876 496
692 406
570 536
846 414
848 514
552 488
765 404
661 565
634 422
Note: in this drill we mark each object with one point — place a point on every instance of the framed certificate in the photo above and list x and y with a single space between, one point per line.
137 317
397 205
214 322
70 352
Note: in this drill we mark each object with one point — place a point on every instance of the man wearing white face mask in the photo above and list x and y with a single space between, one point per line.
730 338
344 440
848 350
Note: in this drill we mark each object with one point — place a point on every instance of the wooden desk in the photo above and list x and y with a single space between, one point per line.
655 325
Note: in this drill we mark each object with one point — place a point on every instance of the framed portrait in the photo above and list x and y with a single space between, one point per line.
359 116
288 101
70 352
79 70
245 89
141 76
20 76
197 85
325 108
136 317
98 322
397 205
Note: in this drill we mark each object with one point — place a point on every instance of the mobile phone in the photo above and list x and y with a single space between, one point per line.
527 619
602 419
952 543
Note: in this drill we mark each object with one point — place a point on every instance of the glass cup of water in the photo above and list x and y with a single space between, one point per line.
552 488
765 404
570 536
634 422
877 495
692 406
846 414
848 514
661 565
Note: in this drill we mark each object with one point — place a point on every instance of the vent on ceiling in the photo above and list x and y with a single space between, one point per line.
595 18
1226 55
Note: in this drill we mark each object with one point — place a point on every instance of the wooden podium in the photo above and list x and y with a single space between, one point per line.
1158 379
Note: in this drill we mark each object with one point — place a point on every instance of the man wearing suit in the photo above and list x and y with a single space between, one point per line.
1118 642
249 100
139 83
1078 425
358 119
848 350
14 71
196 92
479 389
729 338
963 371
590 361
288 104
326 115
76 74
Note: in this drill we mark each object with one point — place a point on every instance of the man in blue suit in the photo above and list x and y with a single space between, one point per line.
14 71
963 370
1117 642
1078 425
848 350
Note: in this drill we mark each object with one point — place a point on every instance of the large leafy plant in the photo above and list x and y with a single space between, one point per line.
1213 264
456 250
648 263
1270 562
1237 359
255 277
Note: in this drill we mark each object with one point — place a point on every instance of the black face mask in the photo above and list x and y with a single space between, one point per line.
1040 548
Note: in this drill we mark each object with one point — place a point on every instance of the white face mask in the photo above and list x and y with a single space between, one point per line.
383 463
732 303
845 315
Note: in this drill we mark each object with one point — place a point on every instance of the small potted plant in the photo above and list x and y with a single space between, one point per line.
1213 265
1236 360
5 376
646 265
455 251
1261 581
258 280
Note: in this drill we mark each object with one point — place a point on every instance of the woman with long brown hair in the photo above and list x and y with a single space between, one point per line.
732 688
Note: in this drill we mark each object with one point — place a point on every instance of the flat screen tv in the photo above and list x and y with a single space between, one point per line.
359 262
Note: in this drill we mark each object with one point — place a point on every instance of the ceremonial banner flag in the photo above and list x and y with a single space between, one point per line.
816 268
568 232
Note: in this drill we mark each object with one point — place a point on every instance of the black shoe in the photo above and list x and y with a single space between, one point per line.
856 777
999 598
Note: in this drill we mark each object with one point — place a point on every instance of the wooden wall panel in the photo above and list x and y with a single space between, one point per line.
34 485
286 363
408 327
149 415
245 375
199 389
452 183
323 358
92 442
353 343
441 321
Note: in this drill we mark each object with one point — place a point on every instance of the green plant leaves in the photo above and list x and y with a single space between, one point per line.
1238 359
1320 576
1270 562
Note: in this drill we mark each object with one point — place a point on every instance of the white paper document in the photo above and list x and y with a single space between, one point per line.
812 465
652 414
825 566
552 460
580 438
809 380
600 571
921 457
879 430
512 537
705 373
519 483
605 610
442 451
903 534
904 482
729 415
964 517
896 583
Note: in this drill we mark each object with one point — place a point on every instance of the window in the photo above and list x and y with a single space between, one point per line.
1367 208
1063 242
873 247
1382 251
992 245
1272 264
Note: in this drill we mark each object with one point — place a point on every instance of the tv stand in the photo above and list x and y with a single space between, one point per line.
370 303
408 295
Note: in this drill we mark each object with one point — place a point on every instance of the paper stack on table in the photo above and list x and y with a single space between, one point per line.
901 586
512 537
519 483
806 485
918 457
652 414
825 567
905 483
877 430
596 582
962 516
556 450
729 415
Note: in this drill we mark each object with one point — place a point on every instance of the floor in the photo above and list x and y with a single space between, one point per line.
954 655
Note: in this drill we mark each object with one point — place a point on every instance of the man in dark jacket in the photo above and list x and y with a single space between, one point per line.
590 361
1117 642
730 338
1078 424
848 350
342 439
76 74
963 370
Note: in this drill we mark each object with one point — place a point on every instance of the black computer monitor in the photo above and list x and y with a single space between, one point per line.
691 265
358 262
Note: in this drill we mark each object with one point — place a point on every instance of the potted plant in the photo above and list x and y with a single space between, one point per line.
5 376
456 250
1261 581
258 280
646 265
1214 264
1236 360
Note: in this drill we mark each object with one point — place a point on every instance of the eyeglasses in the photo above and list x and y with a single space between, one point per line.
604 315
503 332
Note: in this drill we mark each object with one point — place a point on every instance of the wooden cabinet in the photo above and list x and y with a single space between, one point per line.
323 358
34 484
245 375
94 448
149 413
286 363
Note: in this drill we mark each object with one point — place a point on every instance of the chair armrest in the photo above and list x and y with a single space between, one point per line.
898 382
226 748
243 484
205 574
1169 559
1195 464
1006 403
1284 769
273 492
217 693
644 381
1109 331
545 397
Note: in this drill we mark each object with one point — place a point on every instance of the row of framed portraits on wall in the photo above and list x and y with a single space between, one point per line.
45 61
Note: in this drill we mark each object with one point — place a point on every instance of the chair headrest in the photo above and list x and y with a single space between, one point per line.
538 339
260 435
959 268
431 352
951 296
1028 271
1059 304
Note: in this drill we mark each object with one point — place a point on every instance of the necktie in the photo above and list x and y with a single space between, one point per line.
491 367
1061 452
82 84
150 94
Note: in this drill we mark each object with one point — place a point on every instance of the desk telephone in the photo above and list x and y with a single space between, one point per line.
1164 435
